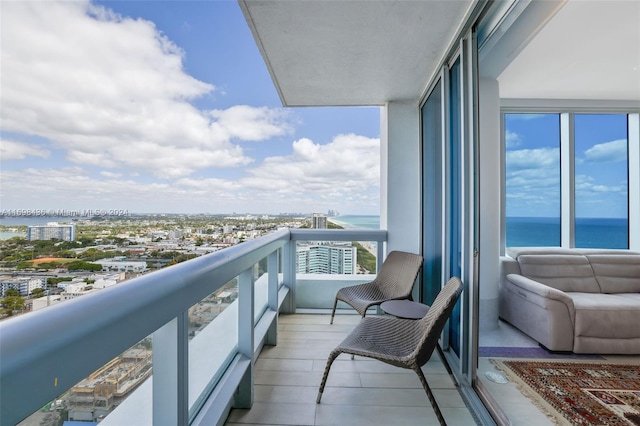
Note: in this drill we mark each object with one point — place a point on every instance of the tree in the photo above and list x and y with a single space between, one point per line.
53 281
11 292
24 265
83 266
10 304
37 292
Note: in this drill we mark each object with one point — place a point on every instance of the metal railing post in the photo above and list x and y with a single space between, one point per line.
289 275
380 257
244 397
272 267
171 373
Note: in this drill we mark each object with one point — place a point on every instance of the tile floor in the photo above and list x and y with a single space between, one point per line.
517 407
358 392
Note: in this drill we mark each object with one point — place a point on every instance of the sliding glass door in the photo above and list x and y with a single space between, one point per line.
454 195
432 118
448 195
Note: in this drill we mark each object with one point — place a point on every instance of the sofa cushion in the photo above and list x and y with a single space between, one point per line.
563 272
612 316
616 273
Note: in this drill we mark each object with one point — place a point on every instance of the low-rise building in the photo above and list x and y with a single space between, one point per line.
44 301
25 285
120 264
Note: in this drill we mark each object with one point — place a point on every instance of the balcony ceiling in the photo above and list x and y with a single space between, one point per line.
356 52
588 50
344 53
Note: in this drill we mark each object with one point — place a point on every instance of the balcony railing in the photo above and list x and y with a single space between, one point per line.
46 352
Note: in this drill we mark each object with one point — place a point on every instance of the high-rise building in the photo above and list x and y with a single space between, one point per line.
319 221
326 258
50 231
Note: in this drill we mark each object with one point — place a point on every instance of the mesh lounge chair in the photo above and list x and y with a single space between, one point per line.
404 343
394 281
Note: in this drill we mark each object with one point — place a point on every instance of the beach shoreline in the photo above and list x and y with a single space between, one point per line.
371 247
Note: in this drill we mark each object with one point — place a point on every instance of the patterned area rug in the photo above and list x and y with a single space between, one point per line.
577 393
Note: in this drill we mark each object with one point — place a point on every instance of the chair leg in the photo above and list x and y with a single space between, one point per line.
432 399
333 313
332 357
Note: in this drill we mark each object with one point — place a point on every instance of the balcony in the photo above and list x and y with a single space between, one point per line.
359 391
198 377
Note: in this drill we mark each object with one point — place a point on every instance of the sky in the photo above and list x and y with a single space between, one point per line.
533 165
166 107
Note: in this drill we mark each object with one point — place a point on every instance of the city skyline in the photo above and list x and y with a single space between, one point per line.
166 107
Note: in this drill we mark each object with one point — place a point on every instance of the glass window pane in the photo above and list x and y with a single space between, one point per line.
532 179
455 196
432 195
601 203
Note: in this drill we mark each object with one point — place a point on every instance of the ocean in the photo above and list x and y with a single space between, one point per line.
590 232
357 221
535 231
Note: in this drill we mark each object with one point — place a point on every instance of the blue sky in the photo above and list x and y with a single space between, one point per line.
166 106
533 165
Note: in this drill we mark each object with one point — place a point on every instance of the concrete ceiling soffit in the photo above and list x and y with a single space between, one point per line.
352 52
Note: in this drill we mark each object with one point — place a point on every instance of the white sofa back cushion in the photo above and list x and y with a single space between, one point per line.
563 272
616 273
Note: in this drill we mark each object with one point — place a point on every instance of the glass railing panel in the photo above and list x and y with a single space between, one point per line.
213 341
261 285
98 395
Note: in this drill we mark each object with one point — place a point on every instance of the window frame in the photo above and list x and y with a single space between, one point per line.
567 111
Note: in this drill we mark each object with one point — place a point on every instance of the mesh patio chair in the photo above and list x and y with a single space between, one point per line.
394 281
404 343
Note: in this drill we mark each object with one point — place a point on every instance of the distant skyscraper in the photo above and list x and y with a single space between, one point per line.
51 230
319 221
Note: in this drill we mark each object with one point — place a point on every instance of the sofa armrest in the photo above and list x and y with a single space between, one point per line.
527 287
543 312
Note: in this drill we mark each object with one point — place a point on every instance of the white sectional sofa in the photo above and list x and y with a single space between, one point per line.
579 300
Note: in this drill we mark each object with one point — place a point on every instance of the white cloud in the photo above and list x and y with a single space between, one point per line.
251 124
533 182
11 150
73 188
512 139
111 175
533 159
112 92
607 152
586 186
349 164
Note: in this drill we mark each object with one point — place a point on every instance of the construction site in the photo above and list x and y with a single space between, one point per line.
97 395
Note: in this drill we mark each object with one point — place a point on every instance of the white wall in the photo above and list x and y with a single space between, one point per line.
490 200
400 195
